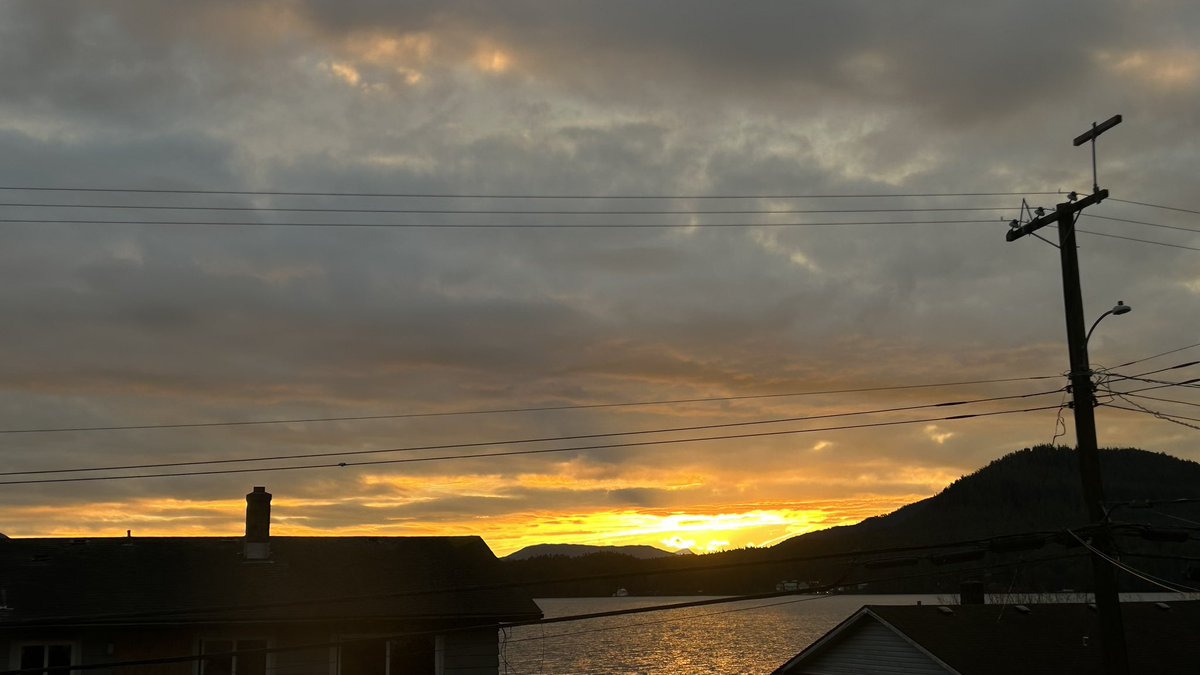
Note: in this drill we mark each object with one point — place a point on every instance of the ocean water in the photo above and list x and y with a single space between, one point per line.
753 636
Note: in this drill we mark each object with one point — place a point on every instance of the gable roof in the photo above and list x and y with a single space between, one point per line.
1048 638
176 580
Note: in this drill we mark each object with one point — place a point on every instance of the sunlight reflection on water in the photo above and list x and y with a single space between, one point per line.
709 639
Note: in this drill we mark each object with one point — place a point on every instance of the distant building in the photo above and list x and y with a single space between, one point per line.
795 585
978 639
255 605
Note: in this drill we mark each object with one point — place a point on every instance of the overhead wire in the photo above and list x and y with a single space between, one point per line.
511 453
1130 570
1137 407
1155 356
1172 516
690 617
493 411
541 439
1160 399
1155 206
1141 241
1163 384
1117 377
1144 503
1175 419
516 453
471 195
485 226
521 212
1141 222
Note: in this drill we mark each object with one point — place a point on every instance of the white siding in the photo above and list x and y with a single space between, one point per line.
869 648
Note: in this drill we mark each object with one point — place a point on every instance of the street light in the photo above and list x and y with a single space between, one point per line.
1118 309
1108 599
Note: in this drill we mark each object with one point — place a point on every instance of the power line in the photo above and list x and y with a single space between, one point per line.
515 212
1163 385
1120 377
493 411
1175 419
1159 556
1190 384
1171 516
690 617
1144 503
695 439
546 226
469 195
1141 241
481 226
1131 571
1180 349
1160 400
522 441
1143 222
1155 206
1142 408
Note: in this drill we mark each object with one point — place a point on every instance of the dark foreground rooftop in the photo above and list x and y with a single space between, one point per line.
179 580
1163 638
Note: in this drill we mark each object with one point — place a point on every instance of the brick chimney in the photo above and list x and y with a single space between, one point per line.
258 525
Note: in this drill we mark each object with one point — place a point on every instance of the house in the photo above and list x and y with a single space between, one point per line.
253 605
977 639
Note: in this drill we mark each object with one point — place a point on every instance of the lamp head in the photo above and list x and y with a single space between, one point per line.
1121 308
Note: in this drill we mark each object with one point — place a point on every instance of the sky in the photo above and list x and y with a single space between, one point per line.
436 127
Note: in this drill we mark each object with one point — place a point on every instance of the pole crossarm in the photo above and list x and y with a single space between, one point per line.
1096 130
1053 216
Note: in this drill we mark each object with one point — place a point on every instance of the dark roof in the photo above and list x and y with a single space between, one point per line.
1162 638
205 579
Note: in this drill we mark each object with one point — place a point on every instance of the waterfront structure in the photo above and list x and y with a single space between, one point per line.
978 639
253 605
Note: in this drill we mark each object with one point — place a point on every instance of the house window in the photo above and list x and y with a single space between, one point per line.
228 657
51 658
411 656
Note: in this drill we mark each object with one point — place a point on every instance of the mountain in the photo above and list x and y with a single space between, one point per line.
1035 490
579 550
1032 489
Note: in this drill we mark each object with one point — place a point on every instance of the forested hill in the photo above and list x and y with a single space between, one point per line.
1032 490
580 550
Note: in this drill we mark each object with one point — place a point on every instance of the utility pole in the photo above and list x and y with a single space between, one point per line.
1108 603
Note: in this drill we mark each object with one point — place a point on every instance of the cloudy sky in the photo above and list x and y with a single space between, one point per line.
415 120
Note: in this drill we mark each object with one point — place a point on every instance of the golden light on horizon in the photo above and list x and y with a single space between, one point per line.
699 529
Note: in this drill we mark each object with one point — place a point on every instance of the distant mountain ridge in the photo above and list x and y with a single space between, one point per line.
580 550
1035 490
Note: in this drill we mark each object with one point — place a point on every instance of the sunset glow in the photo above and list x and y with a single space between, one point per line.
700 532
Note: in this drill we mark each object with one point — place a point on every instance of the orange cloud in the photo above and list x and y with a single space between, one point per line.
1168 68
